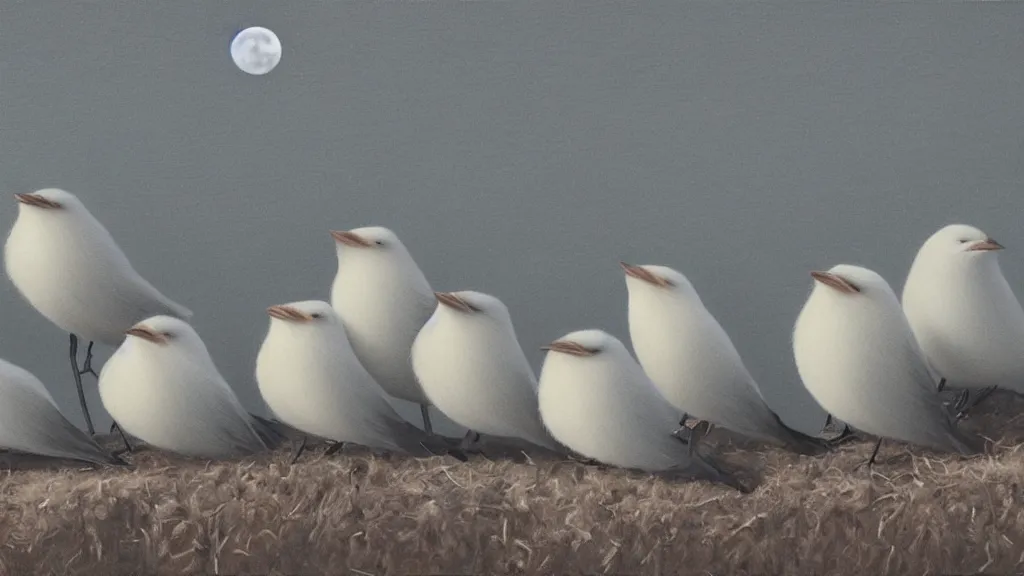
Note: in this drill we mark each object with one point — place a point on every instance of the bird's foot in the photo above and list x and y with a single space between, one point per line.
458 454
333 448
470 442
87 366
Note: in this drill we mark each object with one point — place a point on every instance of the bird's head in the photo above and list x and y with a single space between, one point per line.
959 242
471 305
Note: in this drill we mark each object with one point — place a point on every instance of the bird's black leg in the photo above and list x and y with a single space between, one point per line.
127 446
87 367
981 396
425 412
942 384
298 451
874 453
333 448
78 380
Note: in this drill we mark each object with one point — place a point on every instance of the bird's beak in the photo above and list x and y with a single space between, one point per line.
986 246
350 239
835 281
288 313
569 347
36 200
452 300
146 333
641 273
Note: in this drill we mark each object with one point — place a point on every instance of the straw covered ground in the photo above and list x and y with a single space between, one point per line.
350 513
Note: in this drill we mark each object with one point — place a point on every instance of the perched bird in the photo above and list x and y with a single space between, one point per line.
311 379
162 387
596 400
68 267
858 358
963 312
693 362
31 422
384 299
470 364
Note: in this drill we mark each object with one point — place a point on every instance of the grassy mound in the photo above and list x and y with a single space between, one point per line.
356 513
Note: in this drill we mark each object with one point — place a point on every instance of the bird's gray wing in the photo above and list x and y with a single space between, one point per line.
138 295
915 400
215 414
754 418
30 423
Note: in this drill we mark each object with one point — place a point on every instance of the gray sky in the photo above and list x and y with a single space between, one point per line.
520 149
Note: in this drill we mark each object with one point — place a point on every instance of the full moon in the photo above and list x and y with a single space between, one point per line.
256 50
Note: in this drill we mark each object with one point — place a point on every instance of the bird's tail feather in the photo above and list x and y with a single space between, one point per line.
704 468
273 433
967 445
802 443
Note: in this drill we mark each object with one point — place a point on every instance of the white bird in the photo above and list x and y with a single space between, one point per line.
30 421
964 314
596 400
693 362
311 380
384 299
858 358
162 387
68 267
469 362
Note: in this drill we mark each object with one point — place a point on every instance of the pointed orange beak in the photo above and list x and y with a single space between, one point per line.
452 300
835 281
350 239
569 347
147 333
288 314
641 273
36 200
986 246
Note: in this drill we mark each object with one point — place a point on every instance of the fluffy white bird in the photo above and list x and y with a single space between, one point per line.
384 299
162 387
470 364
693 362
68 267
858 358
596 400
30 421
964 314
311 380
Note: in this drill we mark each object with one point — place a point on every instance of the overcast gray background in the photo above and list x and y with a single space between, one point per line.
518 149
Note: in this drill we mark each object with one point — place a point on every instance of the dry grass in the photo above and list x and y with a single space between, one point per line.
915 513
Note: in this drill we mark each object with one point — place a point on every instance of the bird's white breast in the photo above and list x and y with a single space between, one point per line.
316 384
687 355
475 373
72 273
968 323
383 311
604 413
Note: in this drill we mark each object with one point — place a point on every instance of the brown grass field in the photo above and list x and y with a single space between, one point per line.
914 513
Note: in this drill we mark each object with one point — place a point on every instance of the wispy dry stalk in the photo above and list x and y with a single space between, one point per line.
916 512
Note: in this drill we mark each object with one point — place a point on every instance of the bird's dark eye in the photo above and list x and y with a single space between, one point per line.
168 334
964 240
317 315
379 243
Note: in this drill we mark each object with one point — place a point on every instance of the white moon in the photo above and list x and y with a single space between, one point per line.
256 50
